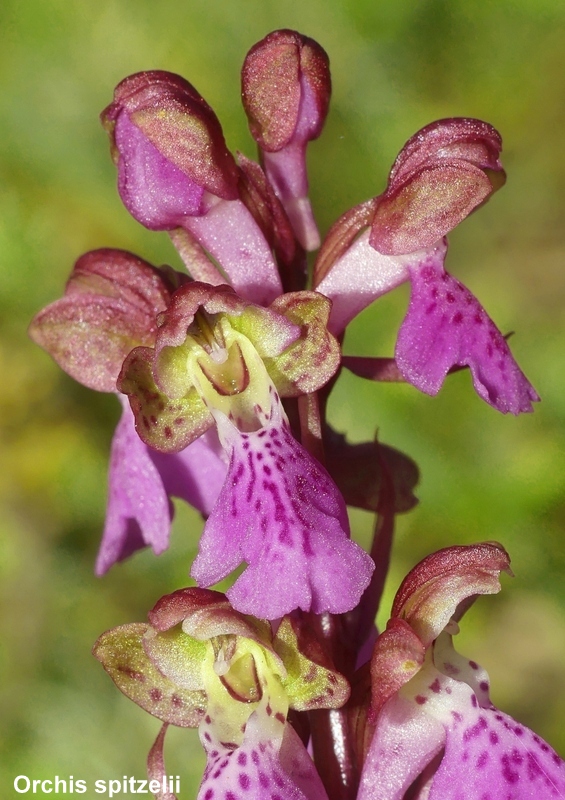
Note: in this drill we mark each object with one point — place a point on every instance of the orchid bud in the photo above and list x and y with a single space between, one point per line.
286 90
175 171
169 148
442 174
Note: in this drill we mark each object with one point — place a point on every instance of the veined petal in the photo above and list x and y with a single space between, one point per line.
110 306
442 173
445 325
280 512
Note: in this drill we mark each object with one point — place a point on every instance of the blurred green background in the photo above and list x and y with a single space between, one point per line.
396 66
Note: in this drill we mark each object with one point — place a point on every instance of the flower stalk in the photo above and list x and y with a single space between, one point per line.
224 371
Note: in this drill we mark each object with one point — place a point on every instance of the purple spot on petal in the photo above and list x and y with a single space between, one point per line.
510 775
278 779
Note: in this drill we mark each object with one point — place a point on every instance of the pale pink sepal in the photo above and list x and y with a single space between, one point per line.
228 231
360 276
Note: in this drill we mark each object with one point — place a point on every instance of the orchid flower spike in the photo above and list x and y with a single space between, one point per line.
110 306
175 171
286 87
444 172
199 663
221 361
436 734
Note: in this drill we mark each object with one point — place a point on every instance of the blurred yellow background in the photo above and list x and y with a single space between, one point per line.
396 65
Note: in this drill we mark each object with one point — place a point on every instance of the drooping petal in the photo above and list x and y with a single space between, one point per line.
141 481
138 513
280 512
445 326
446 583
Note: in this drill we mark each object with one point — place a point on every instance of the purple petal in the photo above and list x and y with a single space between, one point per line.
139 512
280 512
141 481
488 755
156 192
196 474
445 325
